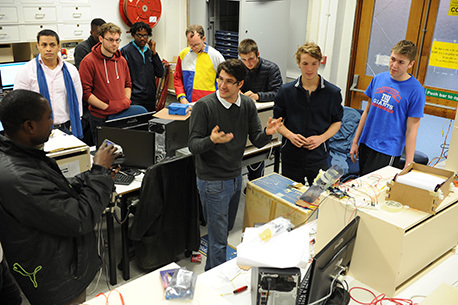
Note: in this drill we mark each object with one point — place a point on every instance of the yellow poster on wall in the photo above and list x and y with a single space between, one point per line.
453 9
444 55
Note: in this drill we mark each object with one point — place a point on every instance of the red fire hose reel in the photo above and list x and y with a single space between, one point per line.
148 11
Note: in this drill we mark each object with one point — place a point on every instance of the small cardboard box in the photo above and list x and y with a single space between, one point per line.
273 196
415 197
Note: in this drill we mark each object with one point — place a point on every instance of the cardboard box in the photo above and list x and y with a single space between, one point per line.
71 154
391 247
173 64
273 196
415 197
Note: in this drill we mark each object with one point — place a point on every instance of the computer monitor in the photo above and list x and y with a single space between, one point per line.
137 145
8 73
137 121
334 259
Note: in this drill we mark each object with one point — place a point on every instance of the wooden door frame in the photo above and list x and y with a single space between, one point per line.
420 31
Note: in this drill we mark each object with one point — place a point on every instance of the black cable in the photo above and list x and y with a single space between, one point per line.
125 218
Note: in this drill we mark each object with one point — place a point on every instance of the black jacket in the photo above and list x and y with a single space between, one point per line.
166 221
83 49
143 73
47 223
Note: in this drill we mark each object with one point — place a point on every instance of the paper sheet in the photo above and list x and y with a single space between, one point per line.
420 180
290 249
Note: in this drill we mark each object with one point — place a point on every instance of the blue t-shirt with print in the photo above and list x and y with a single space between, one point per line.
392 102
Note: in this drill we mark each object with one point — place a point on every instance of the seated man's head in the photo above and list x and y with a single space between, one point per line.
48 44
195 35
249 53
26 117
140 31
231 75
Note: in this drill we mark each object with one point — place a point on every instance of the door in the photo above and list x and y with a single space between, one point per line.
431 25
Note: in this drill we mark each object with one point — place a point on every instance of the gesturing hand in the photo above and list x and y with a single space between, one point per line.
219 136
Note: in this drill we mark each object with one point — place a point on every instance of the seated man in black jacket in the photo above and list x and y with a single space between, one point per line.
46 221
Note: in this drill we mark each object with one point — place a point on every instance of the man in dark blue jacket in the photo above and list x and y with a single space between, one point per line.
144 65
261 84
46 221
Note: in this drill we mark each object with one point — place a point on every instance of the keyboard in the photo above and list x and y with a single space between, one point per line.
302 294
123 178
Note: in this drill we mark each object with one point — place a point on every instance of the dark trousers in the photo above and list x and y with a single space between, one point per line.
371 160
95 121
297 173
255 170
9 291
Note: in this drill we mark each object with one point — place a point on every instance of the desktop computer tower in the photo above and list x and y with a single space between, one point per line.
277 286
170 135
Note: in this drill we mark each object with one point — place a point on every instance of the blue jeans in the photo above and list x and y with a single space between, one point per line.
220 201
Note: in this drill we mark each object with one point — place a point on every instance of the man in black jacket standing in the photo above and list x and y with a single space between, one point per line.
85 47
46 221
261 84
144 65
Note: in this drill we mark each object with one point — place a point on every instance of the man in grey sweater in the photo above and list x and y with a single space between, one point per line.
220 124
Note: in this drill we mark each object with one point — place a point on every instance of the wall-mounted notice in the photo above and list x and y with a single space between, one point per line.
453 9
444 55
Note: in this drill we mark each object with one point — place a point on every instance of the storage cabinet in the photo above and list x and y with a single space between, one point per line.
8 14
21 20
226 42
39 14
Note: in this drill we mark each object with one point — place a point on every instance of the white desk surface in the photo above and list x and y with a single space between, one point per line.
443 271
148 290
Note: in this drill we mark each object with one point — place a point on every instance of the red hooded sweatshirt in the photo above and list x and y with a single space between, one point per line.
106 78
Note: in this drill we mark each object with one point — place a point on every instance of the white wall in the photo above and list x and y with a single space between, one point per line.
168 33
330 25
327 22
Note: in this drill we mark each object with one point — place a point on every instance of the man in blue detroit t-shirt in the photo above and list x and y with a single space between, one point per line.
391 119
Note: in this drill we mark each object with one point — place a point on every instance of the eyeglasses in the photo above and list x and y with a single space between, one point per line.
111 40
228 82
141 35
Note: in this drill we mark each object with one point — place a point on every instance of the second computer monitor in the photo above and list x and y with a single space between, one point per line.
137 145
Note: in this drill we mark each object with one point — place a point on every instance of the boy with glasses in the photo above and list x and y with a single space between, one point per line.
105 77
144 65
219 126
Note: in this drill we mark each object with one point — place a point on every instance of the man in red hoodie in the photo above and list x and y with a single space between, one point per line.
105 78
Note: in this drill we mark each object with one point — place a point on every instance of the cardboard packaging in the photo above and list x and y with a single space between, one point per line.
71 154
273 196
415 197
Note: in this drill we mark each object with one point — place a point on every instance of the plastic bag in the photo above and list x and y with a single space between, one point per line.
181 285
